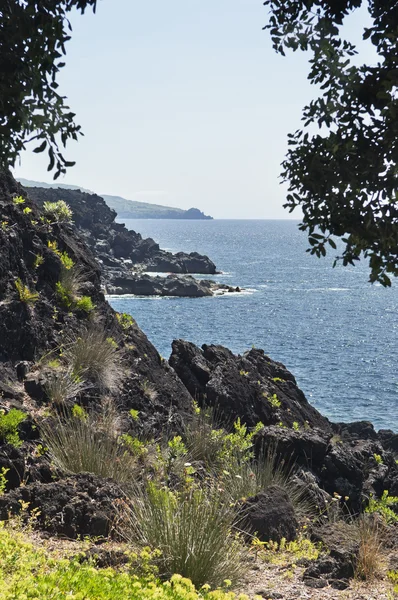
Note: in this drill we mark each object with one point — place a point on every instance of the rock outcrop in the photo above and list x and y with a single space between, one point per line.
344 459
270 516
252 387
124 255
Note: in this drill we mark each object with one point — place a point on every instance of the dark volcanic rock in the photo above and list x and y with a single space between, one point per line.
80 505
172 285
30 331
342 541
306 448
270 515
388 439
256 389
243 386
118 248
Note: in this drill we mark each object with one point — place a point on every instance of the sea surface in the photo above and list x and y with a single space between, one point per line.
333 330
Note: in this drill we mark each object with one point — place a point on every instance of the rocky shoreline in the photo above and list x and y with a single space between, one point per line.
42 323
126 258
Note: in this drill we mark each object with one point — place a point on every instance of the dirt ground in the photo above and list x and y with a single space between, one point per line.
277 582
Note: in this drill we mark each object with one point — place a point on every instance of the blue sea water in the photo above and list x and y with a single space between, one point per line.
334 331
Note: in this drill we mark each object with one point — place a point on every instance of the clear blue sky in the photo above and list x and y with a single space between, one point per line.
182 103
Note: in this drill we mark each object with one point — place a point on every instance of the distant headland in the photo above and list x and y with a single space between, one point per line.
129 209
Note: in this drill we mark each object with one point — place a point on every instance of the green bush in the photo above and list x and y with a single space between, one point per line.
216 448
383 506
86 304
25 295
57 212
125 320
192 529
249 478
64 296
66 260
9 424
68 286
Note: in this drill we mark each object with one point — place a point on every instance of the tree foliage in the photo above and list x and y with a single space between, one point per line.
341 167
33 34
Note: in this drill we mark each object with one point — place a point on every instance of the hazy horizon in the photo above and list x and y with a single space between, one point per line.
182 106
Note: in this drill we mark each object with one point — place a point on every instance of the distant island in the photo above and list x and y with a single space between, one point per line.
129 209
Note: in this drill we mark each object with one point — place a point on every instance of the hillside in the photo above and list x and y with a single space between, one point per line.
128 209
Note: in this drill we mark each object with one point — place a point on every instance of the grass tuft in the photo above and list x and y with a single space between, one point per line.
88 442
370 559
62 386
90 355
192 529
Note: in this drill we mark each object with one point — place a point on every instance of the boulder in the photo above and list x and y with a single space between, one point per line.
77 506
270 516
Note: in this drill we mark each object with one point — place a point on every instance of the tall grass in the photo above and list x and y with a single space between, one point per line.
87 443
70 283
193 530
62 386
202 444
91 354
251 478
370 558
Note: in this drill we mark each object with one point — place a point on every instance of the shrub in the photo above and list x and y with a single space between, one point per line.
273 400
250 478
29 571
39 260
18 200
68 288
57 212
9 424
3 480
86 304
81 442
383 507
64 296
217 449
25 295
66 260
125 320
90 355
193 530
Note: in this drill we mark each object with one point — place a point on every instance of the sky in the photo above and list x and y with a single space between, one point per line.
182 103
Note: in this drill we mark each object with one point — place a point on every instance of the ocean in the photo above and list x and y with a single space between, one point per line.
333 330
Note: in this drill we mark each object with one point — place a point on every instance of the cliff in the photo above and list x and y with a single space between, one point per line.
130 209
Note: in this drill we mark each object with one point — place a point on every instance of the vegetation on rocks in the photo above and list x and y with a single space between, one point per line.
108 442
